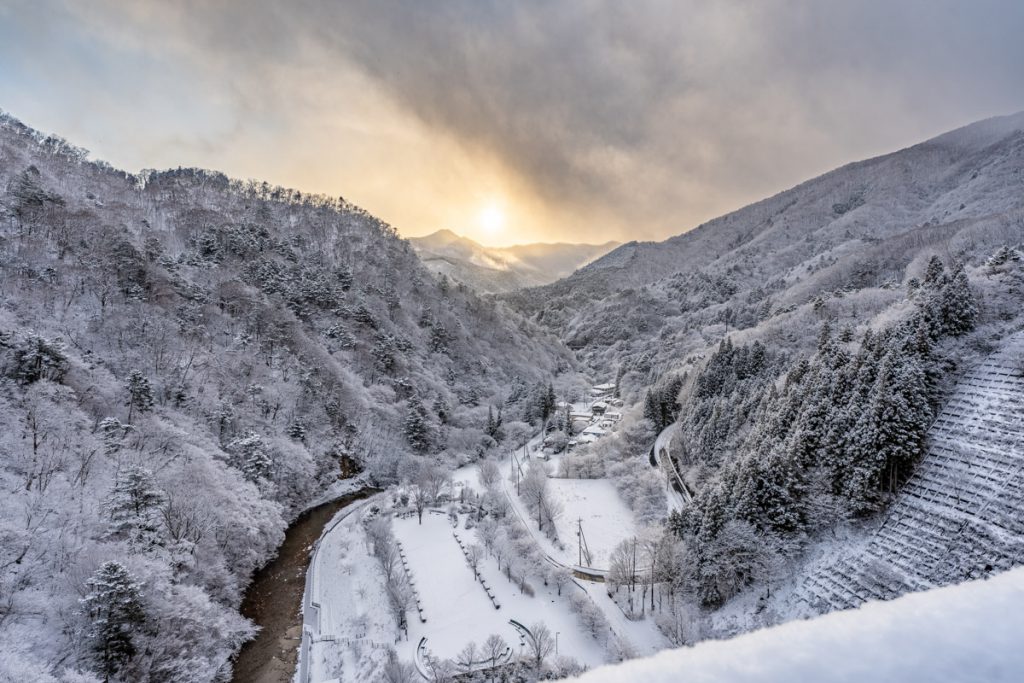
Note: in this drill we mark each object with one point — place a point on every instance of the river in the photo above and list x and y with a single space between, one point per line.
274 599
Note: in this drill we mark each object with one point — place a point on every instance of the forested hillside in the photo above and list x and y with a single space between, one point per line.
795 354
186 361
840 246
958 518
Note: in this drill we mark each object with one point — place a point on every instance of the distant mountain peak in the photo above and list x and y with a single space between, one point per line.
502 269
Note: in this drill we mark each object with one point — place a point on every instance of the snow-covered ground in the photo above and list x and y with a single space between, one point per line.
458 610
350 625
640 638
970 632
595 505
347 623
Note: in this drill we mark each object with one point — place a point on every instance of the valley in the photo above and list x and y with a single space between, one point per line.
805 405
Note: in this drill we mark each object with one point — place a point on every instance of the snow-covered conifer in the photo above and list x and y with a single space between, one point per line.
140 393
113 607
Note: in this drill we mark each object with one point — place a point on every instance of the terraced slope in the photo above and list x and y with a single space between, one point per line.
962 514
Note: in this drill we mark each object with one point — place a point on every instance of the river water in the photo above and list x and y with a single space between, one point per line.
274 599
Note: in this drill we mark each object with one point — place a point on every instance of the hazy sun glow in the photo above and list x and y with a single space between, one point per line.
491 220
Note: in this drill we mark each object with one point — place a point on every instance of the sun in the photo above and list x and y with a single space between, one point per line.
491 219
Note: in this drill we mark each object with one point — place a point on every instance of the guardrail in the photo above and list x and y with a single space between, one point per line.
311 592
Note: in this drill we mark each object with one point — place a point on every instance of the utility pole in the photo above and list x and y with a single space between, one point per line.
632 581
579 538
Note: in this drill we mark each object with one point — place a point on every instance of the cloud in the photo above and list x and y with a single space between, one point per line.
608 119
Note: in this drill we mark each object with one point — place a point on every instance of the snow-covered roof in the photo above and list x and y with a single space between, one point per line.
604 387
969 632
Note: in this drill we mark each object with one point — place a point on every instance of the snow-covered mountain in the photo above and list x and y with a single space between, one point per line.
502 269
853 230
186 362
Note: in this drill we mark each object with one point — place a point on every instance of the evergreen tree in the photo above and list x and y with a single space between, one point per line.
134 508
825 337
38 358
113 606
493 428
417 427
770 492
140 394
250 455
959 311
383 352
544 397
934 275
112 432
890 433
652 409
1003 257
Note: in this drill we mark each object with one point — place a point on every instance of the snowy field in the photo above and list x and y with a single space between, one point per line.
970 632
605 518
353 627
458 610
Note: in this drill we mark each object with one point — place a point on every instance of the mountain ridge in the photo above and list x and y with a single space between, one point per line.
502 269
811 238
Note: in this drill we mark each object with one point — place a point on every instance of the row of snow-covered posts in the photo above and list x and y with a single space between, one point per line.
483 582
412 584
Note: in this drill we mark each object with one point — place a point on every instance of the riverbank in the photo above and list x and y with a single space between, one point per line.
274 598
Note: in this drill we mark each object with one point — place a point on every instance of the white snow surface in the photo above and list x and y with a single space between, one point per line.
606 519
458 610
969 632
348 624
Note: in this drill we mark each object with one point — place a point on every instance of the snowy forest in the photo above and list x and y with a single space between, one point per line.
188 362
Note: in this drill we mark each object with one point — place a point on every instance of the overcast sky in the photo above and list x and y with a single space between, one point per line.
558 121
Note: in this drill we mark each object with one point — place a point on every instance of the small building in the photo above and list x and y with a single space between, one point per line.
599 408
603 390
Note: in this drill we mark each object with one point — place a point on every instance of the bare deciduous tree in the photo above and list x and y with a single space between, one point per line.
541 643
537 495
474 555
494 648
467 658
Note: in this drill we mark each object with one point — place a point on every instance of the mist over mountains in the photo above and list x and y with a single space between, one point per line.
502 269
